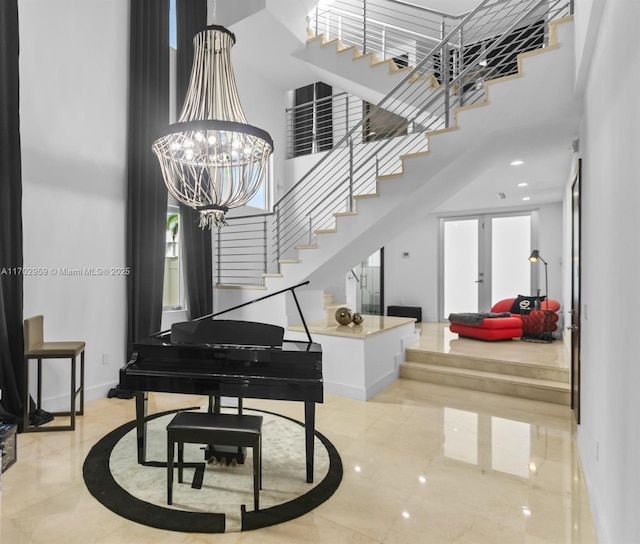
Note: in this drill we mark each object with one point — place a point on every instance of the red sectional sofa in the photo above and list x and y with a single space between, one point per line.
503 328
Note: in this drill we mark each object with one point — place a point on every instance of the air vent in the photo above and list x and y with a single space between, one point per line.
501 196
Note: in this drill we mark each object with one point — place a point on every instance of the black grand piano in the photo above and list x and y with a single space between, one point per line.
221 358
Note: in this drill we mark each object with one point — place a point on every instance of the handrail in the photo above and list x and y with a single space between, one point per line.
428 10
387 25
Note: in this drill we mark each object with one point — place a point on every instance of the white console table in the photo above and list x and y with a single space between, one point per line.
359 361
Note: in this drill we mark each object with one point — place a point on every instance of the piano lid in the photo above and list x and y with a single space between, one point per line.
229 332
267 335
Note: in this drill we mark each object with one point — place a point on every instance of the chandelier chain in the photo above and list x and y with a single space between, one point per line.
211 12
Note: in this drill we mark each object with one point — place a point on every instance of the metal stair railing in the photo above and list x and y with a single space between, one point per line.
487 42
390 29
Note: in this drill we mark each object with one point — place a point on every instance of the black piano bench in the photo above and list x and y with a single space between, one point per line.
214 428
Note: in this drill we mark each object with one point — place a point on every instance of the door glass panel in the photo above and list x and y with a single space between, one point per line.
368 296
460 266
510 250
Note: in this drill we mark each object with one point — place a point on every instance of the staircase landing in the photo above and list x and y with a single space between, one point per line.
511 367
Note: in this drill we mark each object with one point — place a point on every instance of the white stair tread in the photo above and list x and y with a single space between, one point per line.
472 362
481 374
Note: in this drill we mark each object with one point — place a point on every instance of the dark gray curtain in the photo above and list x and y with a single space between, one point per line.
191 17
11 335
146 191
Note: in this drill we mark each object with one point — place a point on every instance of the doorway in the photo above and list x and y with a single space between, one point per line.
370 284
575 292
483 259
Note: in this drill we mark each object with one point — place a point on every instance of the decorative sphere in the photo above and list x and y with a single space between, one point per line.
343 316
357 318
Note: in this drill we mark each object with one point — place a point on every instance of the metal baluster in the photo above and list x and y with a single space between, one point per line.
350 174
384 42
444 71
346 121
310 229
460 67
265 266
364 27
316 19
277 210
219 257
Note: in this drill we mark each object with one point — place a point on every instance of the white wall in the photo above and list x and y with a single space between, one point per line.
609 436
73 90
229 12
264 105
413 280
550 244
588 14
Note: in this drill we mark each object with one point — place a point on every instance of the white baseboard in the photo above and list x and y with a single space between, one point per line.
595 501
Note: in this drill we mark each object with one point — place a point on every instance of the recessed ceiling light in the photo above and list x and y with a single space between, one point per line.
516 163
526 198
523 184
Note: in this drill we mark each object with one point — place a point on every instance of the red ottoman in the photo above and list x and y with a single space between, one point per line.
490 328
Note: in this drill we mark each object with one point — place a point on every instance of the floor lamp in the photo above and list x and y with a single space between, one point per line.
534 258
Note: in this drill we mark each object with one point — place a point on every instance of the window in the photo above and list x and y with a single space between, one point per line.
312 119
172 293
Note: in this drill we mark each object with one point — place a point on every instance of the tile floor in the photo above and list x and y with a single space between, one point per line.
422 464
437 337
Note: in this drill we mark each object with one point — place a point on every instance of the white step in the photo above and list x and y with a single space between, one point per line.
540 371
490 382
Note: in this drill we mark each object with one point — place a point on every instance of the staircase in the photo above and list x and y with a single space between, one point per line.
528 381
357 198
333 218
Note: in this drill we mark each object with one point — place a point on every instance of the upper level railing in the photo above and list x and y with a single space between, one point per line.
390 28
483 45
319 125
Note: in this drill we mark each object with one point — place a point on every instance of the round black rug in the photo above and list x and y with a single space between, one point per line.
138 492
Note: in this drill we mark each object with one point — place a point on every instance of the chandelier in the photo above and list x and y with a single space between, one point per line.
211 159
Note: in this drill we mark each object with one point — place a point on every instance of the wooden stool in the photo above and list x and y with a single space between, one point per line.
216 428
36 348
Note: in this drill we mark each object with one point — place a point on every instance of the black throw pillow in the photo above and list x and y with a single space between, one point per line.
523 303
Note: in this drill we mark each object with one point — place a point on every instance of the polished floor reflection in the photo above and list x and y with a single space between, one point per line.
423 463
438 338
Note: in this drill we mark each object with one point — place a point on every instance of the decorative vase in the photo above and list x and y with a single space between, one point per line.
343 316
357 318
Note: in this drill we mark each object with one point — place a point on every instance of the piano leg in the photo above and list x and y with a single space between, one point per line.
141 424
310 427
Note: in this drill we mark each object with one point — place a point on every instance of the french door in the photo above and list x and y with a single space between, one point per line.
483 259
